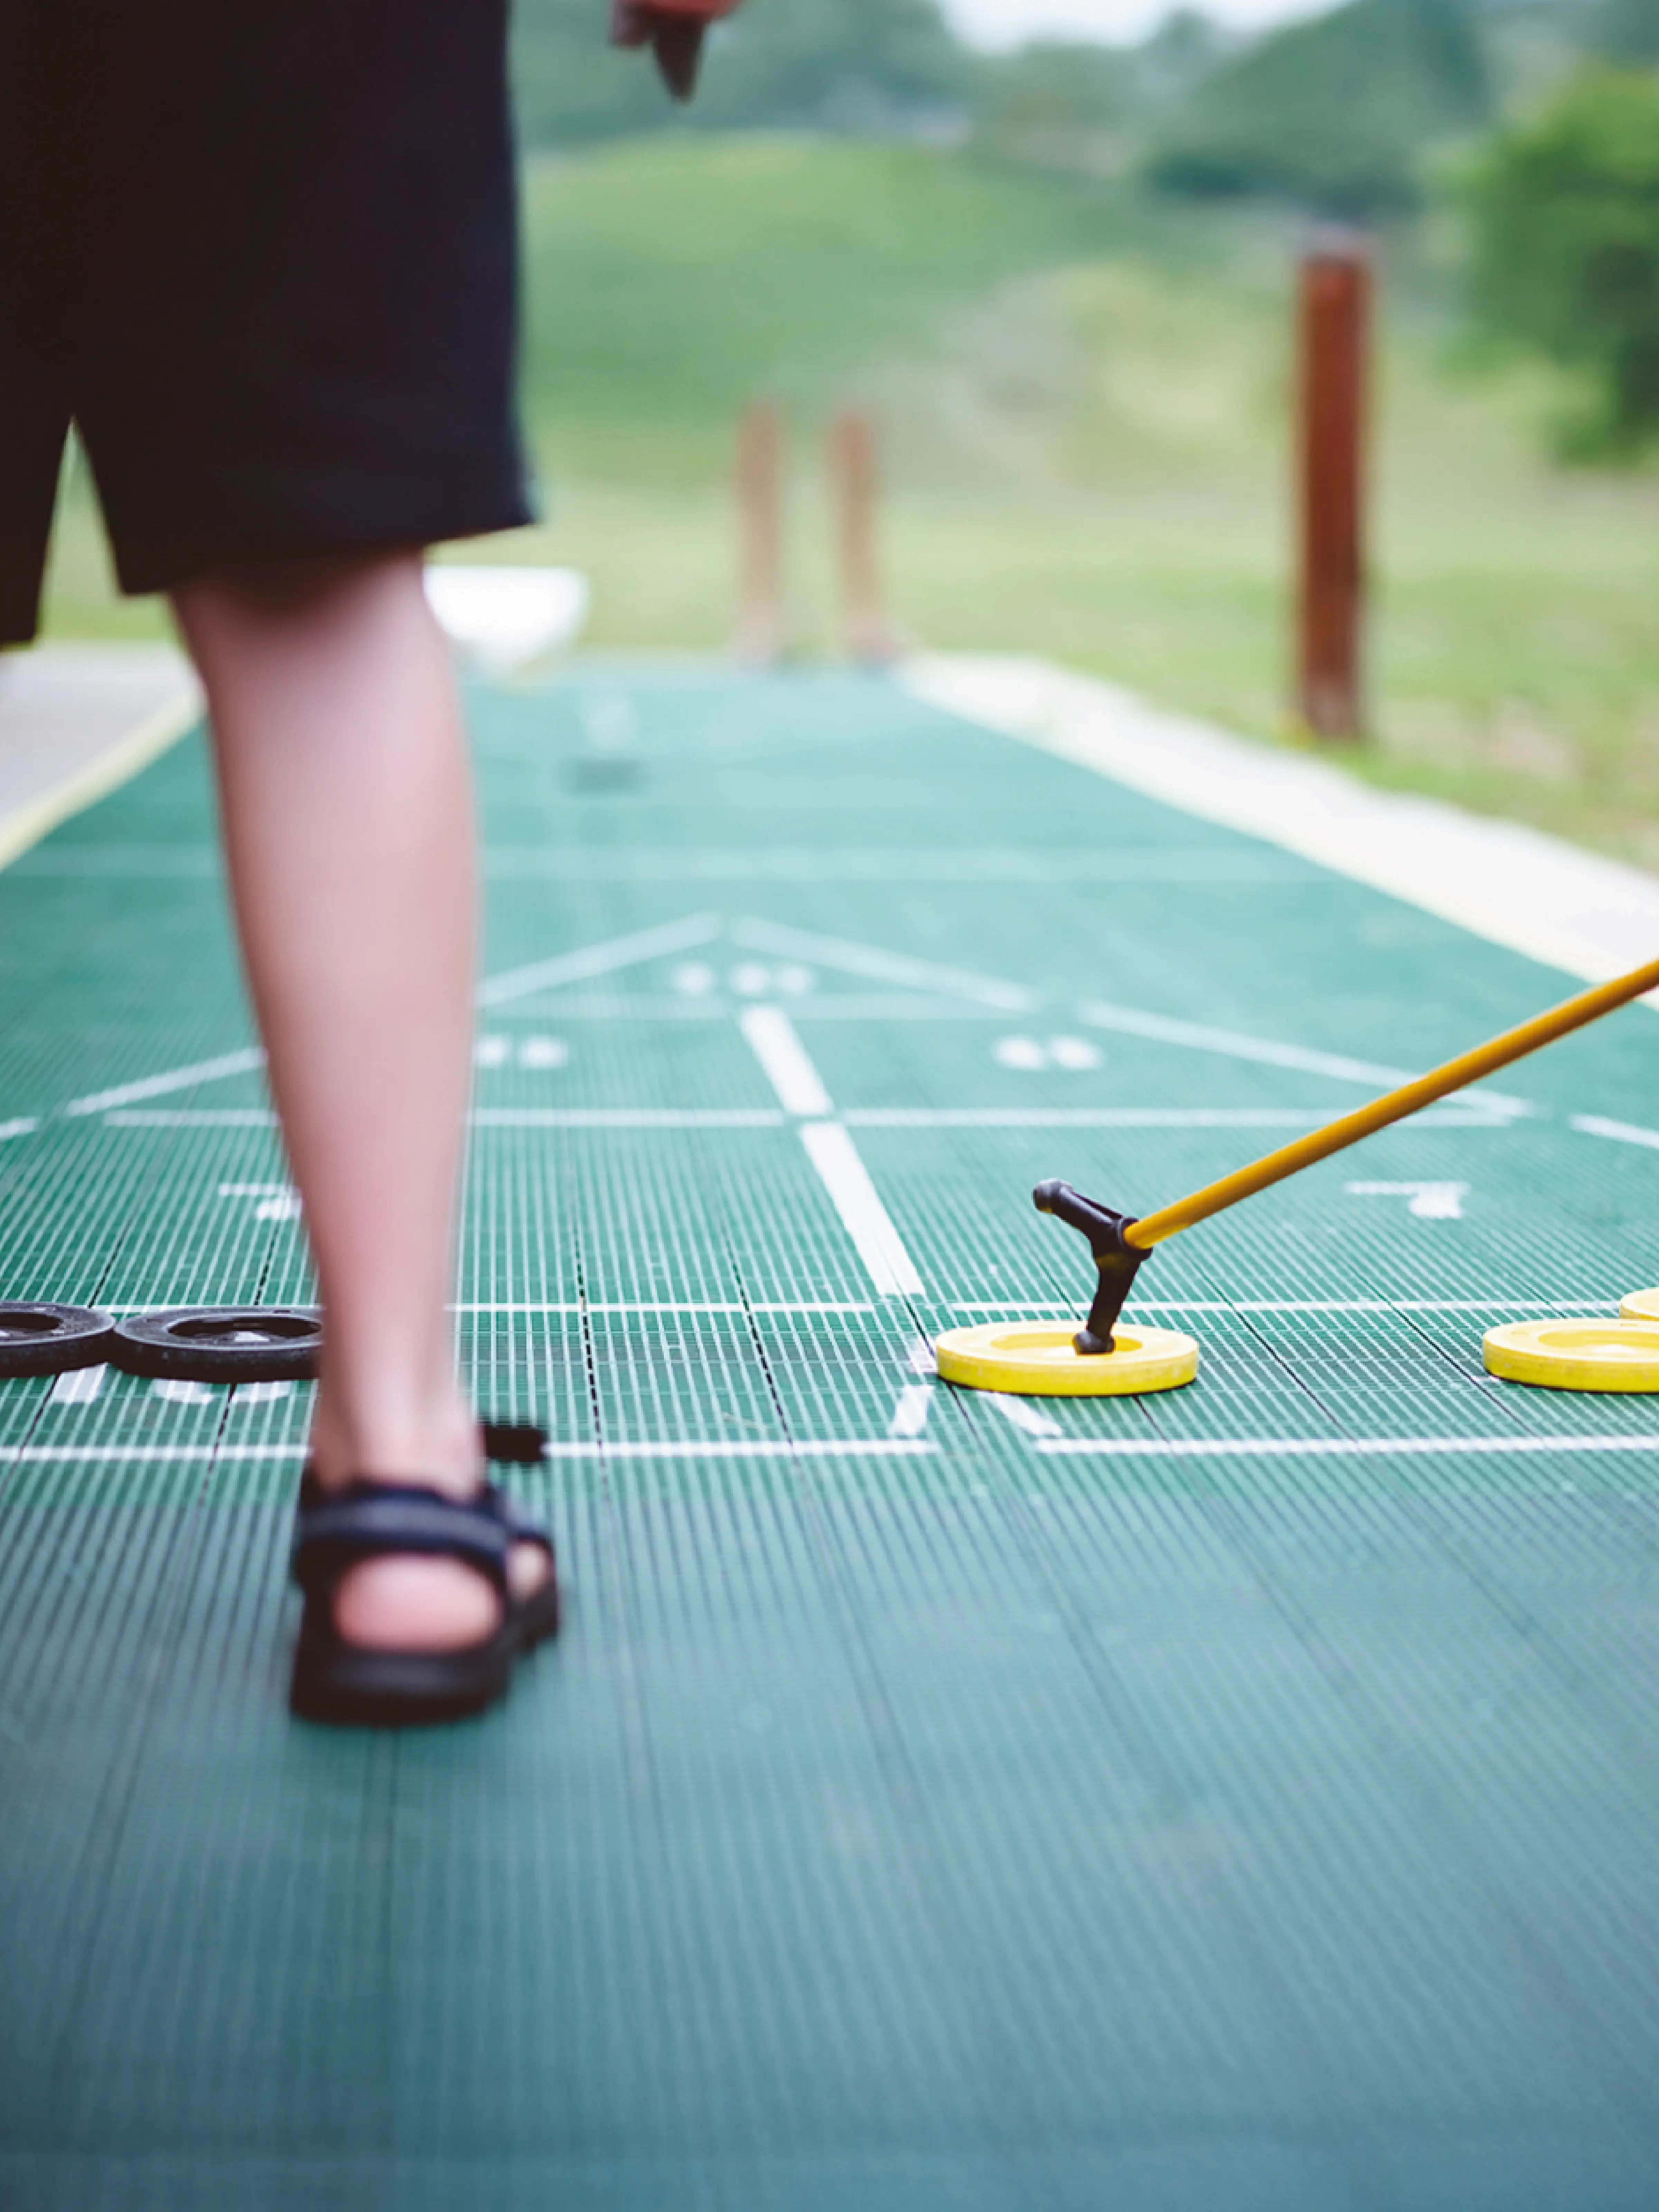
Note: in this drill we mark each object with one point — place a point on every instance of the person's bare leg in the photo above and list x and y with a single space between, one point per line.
346 798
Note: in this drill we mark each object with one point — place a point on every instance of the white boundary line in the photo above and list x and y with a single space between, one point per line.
850 1448
76 1386
806 1448
1039 1309
906 865
481 1117
617 1306
1197 1036
626 1117
1137 1117
915 1402
1622 1133
775 1042
1590 917
650 1306
921 1358
885 967
911 1448
867 1222
856 1117
188 1117
178 1078
1339 1447
598 959
1029 1419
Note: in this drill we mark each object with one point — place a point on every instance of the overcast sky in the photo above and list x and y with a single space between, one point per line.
1006 22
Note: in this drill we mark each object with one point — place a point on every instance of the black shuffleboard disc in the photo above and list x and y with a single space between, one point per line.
41 1338
222 1344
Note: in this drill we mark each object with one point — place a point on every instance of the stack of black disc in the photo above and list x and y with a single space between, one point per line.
192 1344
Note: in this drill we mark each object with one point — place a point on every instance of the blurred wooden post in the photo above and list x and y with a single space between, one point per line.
760 526
867 633
1335 339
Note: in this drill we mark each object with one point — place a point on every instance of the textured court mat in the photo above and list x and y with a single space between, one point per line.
1243 1799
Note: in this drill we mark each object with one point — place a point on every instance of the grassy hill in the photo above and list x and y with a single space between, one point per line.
670 280
1083 403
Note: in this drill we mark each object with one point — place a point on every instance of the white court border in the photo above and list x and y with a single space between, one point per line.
916 1447
802 1093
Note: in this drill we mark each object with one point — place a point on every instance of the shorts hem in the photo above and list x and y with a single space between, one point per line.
141 571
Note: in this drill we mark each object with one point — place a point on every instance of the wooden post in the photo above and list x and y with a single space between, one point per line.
866 631
1335 337
760 528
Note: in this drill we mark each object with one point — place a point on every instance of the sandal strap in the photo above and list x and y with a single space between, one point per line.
379 1520
515 1519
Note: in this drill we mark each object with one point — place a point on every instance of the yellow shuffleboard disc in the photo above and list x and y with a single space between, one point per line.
1641 1305
1577 1355
1037 1359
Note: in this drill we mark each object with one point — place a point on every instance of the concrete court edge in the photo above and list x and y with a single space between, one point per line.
122 760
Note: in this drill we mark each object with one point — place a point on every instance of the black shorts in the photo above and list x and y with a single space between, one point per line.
262 252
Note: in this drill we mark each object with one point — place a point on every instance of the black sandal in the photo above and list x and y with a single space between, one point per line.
334 1531
357 1684
537 1615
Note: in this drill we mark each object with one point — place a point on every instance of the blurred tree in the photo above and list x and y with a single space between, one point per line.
1335 114
1185 50
1059 104
1629 30
569 86
1565 245
847 64
1531 44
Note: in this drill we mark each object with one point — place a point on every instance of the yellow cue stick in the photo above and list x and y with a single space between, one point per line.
1455 1075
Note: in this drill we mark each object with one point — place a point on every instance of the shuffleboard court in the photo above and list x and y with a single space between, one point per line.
1243 1798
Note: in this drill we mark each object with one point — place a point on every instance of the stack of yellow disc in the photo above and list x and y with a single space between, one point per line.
1038 1359
1586 1354
1641 1305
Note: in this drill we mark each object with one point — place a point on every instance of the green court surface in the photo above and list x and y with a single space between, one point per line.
1247 1797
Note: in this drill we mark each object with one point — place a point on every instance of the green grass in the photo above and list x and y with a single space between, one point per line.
670 280
1085 418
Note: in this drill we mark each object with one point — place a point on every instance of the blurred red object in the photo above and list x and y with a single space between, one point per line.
673 29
